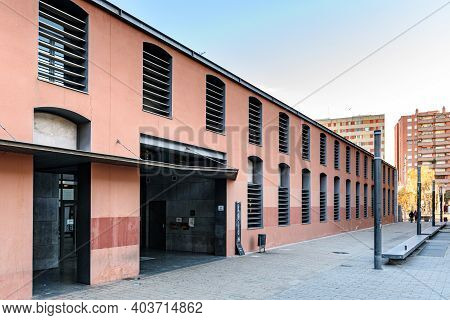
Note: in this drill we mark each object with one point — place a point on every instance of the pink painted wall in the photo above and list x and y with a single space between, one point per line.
114 222
16 225
114 107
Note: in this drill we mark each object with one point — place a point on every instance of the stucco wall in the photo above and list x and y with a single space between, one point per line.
16 225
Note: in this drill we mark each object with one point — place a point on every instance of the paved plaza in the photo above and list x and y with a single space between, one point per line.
337 267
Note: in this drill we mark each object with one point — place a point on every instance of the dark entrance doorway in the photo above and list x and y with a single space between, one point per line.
61 228
153 226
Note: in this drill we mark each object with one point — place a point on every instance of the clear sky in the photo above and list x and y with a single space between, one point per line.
290 48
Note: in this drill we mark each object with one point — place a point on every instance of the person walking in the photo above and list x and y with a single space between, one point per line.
411 216
415 215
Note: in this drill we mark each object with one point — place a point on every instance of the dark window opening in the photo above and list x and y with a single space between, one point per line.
254 193
283 196
305 142
347 200
365 202
283 133
357 203
336 155
347 159
215 104
62 44
365 167
306 196
157 80
254 121
323 197
323 149
357 163
337 202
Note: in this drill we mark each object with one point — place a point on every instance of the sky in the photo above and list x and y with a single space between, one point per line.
290 48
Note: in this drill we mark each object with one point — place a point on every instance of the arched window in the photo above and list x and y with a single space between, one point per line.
372 199
61 128
62 44
306 196
347 200
254 121
337 154
347 159
283 195
323 149
254 193
357 201
365 202
323 197
365 166
337 201
384 201
283 133
157 80
305 142
215 104
357 163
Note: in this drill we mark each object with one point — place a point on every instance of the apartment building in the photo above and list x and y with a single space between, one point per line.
423 138
117 140
358 129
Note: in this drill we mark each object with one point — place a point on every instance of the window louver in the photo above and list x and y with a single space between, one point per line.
283 206
336 155
389 176
215 104
283 133
357 163
283 196
254 121
157 80
323 198
347 159
336 199
323 149
254 198
306 196
372 197
372 168
384 174
347 201
388 202
365 167
365 201
357 201
305 142
393 202
62 44
384 202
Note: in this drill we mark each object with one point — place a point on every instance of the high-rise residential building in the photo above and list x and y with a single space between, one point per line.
423 139
358 129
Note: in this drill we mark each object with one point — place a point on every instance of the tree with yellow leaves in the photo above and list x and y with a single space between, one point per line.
407 195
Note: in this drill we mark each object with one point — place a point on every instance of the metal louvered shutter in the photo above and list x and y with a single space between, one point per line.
62 45
215 104
283 206
283 133
157 80
254 205
255 121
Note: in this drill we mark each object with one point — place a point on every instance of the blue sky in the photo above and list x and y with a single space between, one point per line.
290 48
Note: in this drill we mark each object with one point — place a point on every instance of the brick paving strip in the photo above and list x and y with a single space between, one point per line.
337 267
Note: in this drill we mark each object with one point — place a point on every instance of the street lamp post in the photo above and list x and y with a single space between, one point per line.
433 204
419 201
377 195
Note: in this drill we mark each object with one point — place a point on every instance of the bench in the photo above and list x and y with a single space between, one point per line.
404 249
431 231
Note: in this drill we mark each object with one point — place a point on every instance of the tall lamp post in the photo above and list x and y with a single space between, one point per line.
419 201
377 195
440 204
433 204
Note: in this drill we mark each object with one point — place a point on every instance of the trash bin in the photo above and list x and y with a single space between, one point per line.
262 242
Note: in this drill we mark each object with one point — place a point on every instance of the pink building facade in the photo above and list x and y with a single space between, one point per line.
93 123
